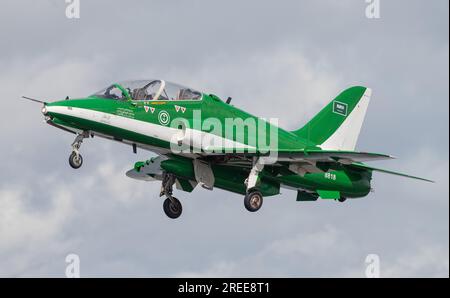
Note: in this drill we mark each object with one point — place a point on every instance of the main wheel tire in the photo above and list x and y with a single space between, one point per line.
172 209
253 201
342 199
75 161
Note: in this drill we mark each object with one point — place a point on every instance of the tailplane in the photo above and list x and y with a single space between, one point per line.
369 168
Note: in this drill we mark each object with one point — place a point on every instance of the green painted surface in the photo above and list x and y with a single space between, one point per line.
306 197
338 180
208 107
328 120
329 194
185 185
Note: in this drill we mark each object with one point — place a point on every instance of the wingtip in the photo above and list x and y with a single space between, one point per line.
368 92
423 179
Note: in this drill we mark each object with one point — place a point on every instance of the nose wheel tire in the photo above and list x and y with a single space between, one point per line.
75 160
253 201
172 208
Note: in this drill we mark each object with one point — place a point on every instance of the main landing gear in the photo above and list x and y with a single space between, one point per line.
254 199
172 206
75 158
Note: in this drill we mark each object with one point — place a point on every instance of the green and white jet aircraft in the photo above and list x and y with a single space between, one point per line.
200 139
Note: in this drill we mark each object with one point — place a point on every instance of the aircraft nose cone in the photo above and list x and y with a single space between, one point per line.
55 108
44 110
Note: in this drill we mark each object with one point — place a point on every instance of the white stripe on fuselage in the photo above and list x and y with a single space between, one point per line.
149 129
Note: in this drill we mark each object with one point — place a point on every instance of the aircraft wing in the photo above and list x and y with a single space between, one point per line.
292 155
366 167
306 159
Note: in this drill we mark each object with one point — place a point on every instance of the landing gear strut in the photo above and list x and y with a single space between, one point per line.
75 158
172 206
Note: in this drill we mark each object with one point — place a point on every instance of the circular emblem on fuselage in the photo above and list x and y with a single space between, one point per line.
163 118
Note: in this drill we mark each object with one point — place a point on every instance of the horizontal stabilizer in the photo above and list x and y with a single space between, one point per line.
365 167
345 157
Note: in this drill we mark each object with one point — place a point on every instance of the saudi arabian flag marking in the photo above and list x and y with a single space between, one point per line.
340 108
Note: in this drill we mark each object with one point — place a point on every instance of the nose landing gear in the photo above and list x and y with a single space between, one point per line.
172 206
75 158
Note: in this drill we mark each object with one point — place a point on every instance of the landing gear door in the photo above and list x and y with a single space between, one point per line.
203 174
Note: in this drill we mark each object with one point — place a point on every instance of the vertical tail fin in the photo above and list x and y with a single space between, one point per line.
338 125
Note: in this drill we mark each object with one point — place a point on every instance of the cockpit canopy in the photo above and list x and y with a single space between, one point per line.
148 90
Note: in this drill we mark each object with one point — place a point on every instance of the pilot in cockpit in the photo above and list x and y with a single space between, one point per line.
139 94
161 90
114 92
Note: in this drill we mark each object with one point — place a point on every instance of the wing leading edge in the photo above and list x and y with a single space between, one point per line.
344 157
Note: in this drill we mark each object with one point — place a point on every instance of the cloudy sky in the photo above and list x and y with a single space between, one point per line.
283 59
